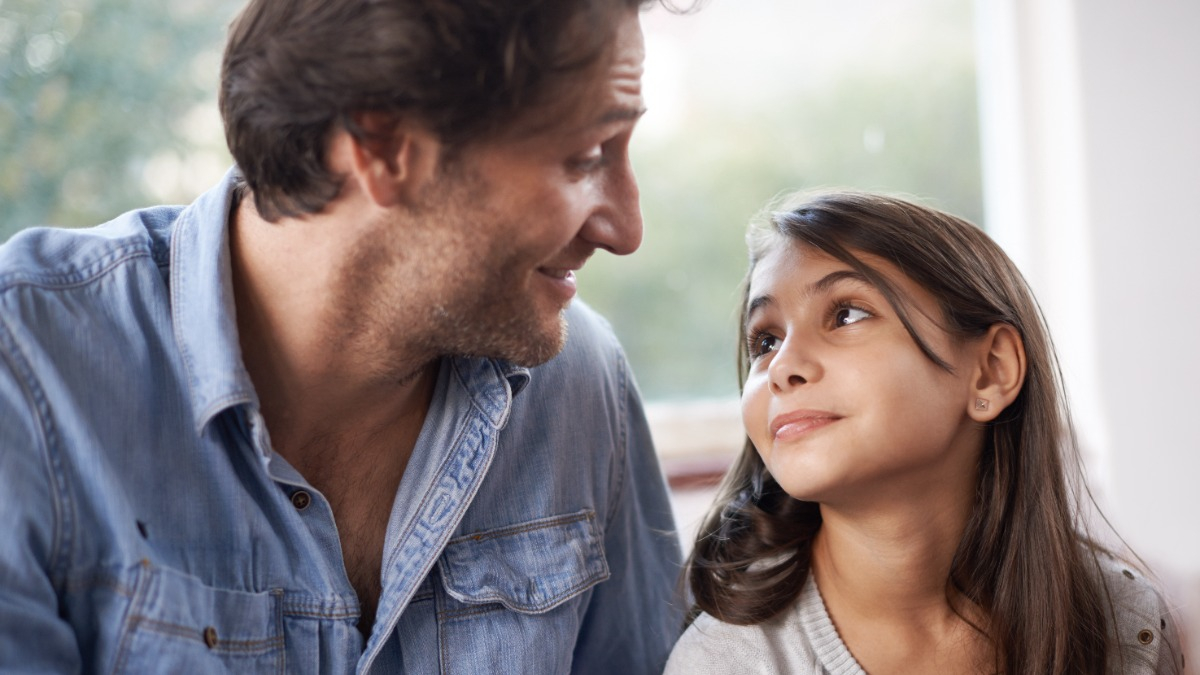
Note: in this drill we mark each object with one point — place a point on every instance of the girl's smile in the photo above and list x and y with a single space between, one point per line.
798 423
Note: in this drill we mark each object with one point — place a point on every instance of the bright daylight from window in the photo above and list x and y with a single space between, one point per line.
110 104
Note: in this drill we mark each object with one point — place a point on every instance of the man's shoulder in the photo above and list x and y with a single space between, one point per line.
56 258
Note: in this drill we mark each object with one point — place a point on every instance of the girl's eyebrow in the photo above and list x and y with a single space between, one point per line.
819 286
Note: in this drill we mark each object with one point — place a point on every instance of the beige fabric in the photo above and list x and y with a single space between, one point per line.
804 641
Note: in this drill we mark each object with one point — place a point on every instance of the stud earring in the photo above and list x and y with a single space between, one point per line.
981 404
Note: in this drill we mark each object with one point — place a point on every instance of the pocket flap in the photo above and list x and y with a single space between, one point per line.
181 605
529 567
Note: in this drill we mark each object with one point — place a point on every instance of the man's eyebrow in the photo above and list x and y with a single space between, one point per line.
819 286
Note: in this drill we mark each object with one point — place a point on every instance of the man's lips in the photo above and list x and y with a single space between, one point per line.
558 272
561 282
800 422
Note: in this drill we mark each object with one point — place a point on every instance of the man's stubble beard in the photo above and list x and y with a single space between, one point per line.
490 312
436 290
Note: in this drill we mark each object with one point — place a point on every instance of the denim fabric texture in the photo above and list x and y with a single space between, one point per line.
146 525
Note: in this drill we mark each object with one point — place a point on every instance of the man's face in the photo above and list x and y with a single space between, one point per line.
510 221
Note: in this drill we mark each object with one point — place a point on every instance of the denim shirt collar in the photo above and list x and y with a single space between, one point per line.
202 306
205 320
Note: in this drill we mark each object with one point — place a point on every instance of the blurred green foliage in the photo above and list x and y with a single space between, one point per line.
94 94
90 91
674 302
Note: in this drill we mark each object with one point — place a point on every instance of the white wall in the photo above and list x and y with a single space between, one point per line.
1091 127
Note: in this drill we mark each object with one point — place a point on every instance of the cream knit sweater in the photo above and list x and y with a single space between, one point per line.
803 640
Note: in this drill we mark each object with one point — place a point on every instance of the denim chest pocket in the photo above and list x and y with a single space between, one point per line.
512 593
178 624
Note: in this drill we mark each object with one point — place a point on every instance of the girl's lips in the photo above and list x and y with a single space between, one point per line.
800 422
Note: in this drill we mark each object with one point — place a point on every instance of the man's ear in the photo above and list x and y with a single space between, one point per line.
390 158
999 372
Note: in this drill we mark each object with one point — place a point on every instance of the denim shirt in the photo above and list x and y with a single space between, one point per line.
147 526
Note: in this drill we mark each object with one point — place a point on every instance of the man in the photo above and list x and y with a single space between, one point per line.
335 415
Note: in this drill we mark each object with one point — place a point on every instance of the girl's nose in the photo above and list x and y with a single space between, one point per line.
792 366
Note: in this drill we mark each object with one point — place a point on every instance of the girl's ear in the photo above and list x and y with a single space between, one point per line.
392 160
999 372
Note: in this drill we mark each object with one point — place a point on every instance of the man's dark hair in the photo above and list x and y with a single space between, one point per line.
295 70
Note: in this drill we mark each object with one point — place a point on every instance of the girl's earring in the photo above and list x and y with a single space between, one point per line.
981 404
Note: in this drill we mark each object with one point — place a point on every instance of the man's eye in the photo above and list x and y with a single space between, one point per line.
844 316
589 161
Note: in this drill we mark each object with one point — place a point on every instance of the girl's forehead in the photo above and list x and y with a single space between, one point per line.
790 262
792 268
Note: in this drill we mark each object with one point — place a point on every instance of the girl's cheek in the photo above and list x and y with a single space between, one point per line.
754 407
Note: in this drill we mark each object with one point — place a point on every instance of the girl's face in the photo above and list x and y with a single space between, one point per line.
840 402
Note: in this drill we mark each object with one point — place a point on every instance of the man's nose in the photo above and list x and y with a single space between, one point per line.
616 224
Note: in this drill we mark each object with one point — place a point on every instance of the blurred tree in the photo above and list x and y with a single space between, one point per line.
107 105
910 129
91 91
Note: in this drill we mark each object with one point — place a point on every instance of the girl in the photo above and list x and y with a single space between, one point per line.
909 499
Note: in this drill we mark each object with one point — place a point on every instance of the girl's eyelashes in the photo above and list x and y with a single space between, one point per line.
845 313
841 313
759 343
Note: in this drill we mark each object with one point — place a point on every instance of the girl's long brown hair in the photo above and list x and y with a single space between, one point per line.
1025 557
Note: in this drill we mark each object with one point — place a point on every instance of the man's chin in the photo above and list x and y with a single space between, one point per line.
525 344
541 344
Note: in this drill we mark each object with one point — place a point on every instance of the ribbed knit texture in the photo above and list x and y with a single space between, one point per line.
803 640
820 633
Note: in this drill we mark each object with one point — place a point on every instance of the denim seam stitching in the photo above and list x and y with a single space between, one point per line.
315 608
439 593
63 534
622 459
129 621
454 445
314 614
263 646
91 273
94 581
590 579
554 521
471 393
483 452
277 609
185 354
493 599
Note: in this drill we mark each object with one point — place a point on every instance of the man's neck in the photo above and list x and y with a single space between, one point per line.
315 375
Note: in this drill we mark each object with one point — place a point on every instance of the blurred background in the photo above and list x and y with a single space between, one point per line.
1066 128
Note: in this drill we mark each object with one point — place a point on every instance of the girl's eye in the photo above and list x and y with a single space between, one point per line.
761 343
848 314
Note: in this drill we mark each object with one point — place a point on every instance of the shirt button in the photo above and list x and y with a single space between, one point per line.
210 637
301 499
1145 637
